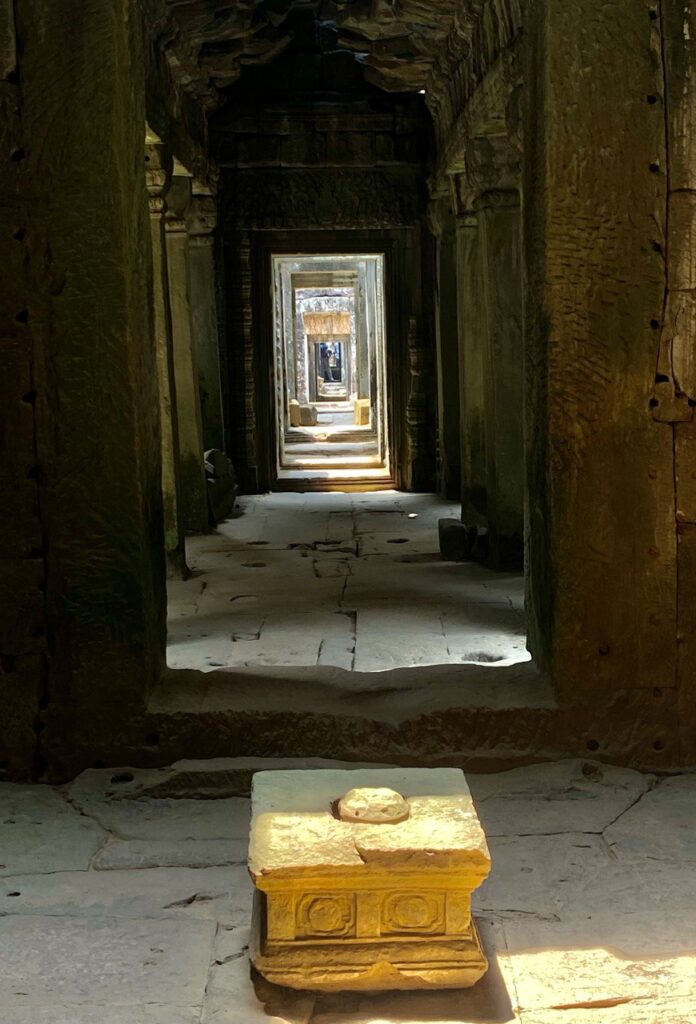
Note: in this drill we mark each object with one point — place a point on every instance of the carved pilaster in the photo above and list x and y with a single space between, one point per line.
202 221
158 176
194 500
418 407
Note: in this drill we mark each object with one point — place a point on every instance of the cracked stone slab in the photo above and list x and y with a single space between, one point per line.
660 826
235 997
152 853
103 960
97 795
182 893
207 779
566 796
540 875
41 832
573 963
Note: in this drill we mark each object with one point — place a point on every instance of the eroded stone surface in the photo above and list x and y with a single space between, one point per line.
369 890
210 893
535 800
42 832
661 825
539 875
372 805
103 960
96 795
142 853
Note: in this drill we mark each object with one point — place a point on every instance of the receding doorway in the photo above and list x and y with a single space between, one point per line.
331 408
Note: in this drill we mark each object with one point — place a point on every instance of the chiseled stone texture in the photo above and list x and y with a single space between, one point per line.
590 906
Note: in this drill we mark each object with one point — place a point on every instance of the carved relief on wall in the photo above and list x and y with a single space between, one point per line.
324 198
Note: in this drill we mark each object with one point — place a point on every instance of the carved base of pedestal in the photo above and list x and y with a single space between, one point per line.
372 965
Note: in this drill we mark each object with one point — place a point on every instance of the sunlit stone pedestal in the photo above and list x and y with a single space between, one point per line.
358 904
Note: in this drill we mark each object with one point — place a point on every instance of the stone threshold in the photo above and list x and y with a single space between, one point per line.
476 717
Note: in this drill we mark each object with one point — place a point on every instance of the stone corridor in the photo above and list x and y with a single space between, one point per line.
349 580
124 899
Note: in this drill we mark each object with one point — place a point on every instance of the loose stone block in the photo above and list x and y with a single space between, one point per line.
456 540
361 412
364 879
308 415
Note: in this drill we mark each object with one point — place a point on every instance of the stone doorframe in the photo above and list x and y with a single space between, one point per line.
251 345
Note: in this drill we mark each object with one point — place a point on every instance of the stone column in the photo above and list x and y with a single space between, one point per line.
474 479
446 349
601 561
503 359
202 223
79 227
192 482
158 173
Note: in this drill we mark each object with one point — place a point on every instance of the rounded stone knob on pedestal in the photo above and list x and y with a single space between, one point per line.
373 806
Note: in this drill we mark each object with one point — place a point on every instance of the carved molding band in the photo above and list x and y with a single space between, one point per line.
324 198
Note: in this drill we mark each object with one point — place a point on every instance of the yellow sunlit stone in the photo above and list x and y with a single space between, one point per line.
364 879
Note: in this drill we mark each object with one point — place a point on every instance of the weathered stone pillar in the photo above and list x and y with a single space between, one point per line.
92 540
474 477
601 560
202 223
194 499
158 174
446 349
501 305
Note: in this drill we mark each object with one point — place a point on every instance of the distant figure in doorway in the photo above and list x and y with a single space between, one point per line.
324 366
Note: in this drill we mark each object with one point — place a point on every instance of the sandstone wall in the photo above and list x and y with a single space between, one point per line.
83 498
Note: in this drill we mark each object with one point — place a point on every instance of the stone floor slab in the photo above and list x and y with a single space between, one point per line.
250 586
91 1013
222 894
42 832
553 969
661 825
103 960
540 875
165 819
233 997
567 796
636 1011
152 853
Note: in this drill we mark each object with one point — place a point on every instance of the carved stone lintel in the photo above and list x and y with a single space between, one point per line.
324 197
